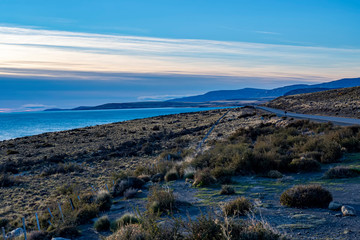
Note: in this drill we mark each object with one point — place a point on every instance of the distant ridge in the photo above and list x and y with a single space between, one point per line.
224 98
262 94
306 90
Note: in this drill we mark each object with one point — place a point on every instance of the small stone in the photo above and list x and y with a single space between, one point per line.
348 211
335 206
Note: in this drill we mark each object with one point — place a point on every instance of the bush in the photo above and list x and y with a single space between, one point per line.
103 200
342 172
62 168
227 190
203 178
37 235
160 199
304 165
124 220
3 222
240 206
130 193
171 176
130 232
66 232
85 214
256 231
6 181
189 173
102 224
306 196
274 174
205 227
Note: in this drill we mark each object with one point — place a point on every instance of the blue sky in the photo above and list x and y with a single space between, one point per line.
70 53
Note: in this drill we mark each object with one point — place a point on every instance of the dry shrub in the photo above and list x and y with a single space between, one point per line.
38 235
124 220
342 172
130 232
103 200
6 180
304 165
171 176
130 193
240 206
227 190
306 196
203 178
205 227
85 214
160 199
274 174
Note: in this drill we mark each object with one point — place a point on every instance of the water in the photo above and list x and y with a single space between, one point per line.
14 125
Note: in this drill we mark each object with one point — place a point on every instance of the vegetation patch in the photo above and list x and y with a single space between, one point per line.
306 196
342 172
240 206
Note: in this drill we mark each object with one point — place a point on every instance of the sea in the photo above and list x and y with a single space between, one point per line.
21 124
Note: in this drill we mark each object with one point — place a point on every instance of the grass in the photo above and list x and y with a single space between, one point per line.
240 206
160 199
102 224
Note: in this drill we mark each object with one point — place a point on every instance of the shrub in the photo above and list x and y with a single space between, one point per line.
342 172
306 196
124 220
66 232
239 206
61 168
222 175
102 224
130 232
3 222
160 199
205 227
85 214
66 189
171 176
103 200
37 235
189 173
203 178
257 230
130 193
274 174
304 165
332 152
227 190
6 180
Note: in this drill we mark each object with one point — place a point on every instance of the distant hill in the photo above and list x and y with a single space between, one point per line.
260 94
344 102
305 90
223 98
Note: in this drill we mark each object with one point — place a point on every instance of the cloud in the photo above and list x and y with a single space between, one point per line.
54 54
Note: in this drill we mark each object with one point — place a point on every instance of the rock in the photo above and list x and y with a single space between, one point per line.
15 233
348 210
335 206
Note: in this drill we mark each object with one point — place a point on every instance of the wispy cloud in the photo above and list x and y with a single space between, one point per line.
36 52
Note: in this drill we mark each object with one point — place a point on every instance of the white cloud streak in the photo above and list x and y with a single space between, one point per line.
36 52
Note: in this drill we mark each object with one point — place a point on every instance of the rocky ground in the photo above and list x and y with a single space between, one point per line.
340 102
97 152
265 193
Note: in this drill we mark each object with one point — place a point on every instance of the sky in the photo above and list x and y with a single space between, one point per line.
74 53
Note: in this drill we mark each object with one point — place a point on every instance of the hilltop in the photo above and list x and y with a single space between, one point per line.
338 102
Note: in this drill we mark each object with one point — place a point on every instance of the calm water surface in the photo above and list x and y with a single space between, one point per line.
14 125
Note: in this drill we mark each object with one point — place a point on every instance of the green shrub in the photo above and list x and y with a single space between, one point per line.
306 196
103 200
160 199
85 214
342 172
227 190
124 220
203 178
102 224
304 165
239 206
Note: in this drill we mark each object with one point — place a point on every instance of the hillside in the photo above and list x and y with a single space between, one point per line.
260 94
339 102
